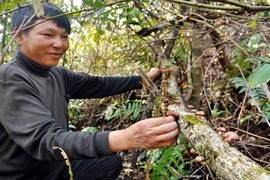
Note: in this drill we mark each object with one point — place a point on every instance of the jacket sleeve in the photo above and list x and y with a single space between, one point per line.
81 85
30 126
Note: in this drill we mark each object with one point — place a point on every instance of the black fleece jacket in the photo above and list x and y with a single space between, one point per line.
33 117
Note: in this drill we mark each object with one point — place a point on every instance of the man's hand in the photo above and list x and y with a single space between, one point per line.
146 134
153 73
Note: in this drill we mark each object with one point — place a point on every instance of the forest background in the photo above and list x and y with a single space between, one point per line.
220 49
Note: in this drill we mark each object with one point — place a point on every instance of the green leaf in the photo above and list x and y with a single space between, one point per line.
237 51
72 127
253 23
8 5
262 59
239 84
247 117
265 2
94 3
259 76
90 129
100 31
253 43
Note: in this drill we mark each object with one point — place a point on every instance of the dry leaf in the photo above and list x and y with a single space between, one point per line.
37 5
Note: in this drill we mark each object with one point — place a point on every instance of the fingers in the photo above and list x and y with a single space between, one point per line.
165 143
154 73
166 128
154 132
164 132
169 136
172 113
159 120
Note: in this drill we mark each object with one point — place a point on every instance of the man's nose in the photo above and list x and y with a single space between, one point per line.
58 42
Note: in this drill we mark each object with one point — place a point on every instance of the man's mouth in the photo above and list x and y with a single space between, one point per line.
56 55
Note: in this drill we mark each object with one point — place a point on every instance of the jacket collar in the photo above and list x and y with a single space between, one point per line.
30 65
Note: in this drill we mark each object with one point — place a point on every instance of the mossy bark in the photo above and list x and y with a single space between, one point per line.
227 162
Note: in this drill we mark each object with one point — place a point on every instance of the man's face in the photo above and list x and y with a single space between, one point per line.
45 43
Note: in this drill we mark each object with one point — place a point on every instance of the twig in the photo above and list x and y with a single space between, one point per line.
252 144
260 137
266 90
148 112
201 5
63 153
149 83
241 109
246 7
256 159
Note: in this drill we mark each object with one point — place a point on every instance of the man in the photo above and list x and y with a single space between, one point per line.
34 95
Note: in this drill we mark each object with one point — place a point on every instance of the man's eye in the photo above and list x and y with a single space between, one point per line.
47 35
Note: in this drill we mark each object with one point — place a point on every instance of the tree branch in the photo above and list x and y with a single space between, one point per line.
201 5
249 8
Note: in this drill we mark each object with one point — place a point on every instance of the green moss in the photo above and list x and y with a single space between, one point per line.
193 120
258 171
234 162
207 149
214 155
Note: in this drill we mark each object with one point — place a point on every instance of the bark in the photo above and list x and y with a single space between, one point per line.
197 47
196 70
227 162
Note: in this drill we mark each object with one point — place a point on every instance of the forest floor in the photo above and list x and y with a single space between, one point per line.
254 135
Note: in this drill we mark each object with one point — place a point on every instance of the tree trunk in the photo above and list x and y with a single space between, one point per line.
196 69
3 43
227 162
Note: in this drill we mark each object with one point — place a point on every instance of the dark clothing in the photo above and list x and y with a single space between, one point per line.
107 167
34 117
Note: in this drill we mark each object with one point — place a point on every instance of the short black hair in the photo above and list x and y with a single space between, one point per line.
50 10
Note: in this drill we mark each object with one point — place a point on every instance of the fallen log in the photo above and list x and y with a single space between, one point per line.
227 162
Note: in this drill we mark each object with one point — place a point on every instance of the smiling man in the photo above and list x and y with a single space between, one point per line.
45 44
34 96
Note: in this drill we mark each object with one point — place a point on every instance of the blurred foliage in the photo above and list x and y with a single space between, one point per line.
74 113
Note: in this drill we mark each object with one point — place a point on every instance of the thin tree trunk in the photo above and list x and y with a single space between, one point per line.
3 42
196 69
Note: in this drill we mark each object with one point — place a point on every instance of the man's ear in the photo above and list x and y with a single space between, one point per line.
19 37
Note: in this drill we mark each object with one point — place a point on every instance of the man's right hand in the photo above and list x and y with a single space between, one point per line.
146 134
